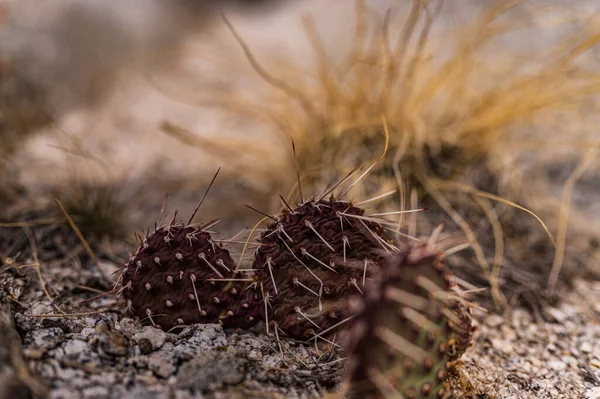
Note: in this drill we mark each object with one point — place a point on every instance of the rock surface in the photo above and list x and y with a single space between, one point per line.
555 354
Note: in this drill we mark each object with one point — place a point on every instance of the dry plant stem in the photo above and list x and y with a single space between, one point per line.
246 243
82 239
431 188
38 269
446 185
221 149
276 82
80 314
563 219
492 216
36 222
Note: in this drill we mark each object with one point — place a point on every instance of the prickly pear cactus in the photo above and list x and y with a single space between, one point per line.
311 260
180 276
400 340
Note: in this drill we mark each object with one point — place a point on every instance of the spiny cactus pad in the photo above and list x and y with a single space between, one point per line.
311 260
401 336
180 276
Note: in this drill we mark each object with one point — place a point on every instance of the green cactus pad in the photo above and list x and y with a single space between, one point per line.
407 328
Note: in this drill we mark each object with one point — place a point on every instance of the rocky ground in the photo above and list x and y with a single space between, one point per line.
103 353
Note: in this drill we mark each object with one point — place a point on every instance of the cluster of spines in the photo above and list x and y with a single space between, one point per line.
179 275
407 329
311 260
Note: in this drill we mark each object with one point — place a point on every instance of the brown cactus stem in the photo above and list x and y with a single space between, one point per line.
180 276
312 259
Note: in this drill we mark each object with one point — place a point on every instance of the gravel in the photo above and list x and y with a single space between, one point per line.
553 354
521 357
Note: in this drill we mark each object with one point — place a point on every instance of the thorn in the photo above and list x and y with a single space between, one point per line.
210 224
346 241
386 194
435 235
286 204
163 207
202 256
297 172
357 180
193 278
398 212
204 196
149 314
346 178
354 283
401 344
299 311
305 253
280 229
221 263
266 302
310 226
271 273
172 222
299 283
302 263
319 335
261 213
279 344
365 272
457 248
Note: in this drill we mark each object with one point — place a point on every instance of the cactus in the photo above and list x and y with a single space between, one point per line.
312 259
180 276
407 329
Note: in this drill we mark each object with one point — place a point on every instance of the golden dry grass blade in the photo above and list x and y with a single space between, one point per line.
38 270
431 186
564 218
275 82
82 239
450 185
492 216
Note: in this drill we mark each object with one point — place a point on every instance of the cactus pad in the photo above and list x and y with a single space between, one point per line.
180 276
312 259
404 327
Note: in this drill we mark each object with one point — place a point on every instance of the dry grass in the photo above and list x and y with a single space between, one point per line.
459 105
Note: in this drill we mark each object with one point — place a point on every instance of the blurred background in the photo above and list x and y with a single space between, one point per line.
110 105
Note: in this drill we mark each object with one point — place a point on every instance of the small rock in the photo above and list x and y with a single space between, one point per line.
255 355
145 346
494 320
87 333
161 363
111 341
75 347
502 345
557 365
555 315
155 337
34 353
593 393
46 338
211 370
98 392
586 347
